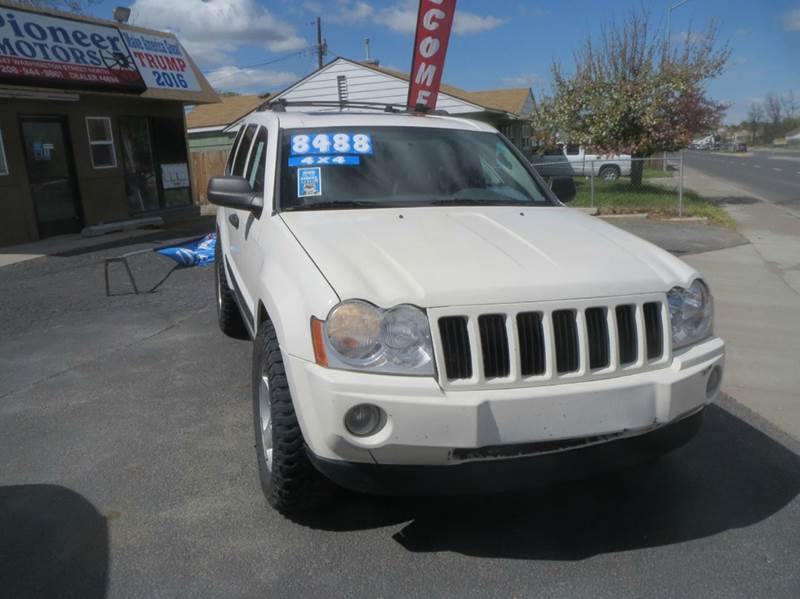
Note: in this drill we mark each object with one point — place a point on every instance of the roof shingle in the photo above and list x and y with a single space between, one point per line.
230 110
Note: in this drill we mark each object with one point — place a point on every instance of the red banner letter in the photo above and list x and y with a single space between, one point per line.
434 21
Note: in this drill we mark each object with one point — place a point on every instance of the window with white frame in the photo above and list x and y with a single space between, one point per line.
3 161
101 142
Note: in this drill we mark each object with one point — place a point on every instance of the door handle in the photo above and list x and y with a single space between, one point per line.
234 220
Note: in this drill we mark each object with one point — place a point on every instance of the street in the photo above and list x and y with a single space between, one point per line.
129 471
774 176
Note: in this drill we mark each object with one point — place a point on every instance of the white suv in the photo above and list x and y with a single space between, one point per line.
428 318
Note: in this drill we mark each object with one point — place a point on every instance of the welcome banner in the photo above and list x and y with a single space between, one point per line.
434 22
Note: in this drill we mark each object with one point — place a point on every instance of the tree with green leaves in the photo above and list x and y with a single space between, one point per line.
632 92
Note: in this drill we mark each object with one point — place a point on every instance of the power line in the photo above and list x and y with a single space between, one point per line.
304 52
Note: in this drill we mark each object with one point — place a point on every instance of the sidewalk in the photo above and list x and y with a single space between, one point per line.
757 299
66 245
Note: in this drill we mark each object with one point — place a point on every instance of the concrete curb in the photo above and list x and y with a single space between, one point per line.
636 215
688 219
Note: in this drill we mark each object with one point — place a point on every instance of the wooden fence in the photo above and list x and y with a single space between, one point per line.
204 166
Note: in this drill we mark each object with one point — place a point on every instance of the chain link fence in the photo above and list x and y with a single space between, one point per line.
605 183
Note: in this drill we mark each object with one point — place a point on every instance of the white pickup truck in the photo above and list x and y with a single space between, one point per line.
573 160
427 317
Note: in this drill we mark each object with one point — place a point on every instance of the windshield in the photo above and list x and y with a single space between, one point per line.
379 167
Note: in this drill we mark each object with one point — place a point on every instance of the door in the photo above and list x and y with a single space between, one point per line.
238 224
51 176
141 182
574 155
591 158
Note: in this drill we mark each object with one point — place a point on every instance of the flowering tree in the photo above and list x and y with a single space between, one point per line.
633 93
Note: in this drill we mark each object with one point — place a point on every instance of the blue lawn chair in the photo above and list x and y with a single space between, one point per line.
198 251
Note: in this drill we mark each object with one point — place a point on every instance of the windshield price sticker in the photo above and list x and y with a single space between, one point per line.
309 182
323 160
331 143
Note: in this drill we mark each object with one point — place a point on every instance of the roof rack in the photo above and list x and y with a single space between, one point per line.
281 104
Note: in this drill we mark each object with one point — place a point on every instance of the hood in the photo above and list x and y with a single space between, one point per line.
445 256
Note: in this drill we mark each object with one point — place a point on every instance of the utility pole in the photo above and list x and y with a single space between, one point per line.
322 46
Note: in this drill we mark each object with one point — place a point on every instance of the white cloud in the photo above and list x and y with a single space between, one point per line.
524 80
467 22
233 78
690 37
213 29
349 12
402 17
793 20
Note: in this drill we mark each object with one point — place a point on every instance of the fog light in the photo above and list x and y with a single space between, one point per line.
714 380
364 420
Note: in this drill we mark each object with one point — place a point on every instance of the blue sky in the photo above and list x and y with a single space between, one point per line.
496 44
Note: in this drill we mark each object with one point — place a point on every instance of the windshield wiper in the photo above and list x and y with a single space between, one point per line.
334 204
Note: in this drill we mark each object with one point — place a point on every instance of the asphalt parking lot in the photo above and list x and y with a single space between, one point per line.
128 470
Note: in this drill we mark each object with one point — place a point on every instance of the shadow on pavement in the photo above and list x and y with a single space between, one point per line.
53 543
730 476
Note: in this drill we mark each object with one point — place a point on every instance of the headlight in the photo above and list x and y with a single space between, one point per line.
691 312
360 336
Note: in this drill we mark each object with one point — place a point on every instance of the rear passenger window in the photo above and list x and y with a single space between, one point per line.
232 153
244 150
573 149
258 161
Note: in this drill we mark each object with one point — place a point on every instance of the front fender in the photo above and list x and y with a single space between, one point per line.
292 289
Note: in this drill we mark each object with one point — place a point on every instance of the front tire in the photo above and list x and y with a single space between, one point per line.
609 172
289 481
228 315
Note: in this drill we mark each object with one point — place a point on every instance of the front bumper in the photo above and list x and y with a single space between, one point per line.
428 426
502 475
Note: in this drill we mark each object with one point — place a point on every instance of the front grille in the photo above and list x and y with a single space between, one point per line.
494 345
455 344
597 330
565 331
653 331
626 334
533 344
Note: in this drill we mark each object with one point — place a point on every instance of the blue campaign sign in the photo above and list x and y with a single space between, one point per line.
309 182
323 160
331 143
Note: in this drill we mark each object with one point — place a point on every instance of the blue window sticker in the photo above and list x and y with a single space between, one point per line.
323 160
309 182
331 143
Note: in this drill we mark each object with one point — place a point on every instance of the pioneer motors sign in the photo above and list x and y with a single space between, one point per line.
37 49
434 21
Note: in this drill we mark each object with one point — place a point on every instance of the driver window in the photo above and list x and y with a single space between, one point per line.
243 152
257 165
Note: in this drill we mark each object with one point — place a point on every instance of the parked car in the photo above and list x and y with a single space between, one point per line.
427 317
571 160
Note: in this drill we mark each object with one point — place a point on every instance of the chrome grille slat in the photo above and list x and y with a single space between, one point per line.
518 345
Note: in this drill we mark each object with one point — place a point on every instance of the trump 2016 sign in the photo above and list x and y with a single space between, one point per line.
434 22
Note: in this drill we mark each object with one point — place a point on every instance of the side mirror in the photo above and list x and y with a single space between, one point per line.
564 188
233 192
